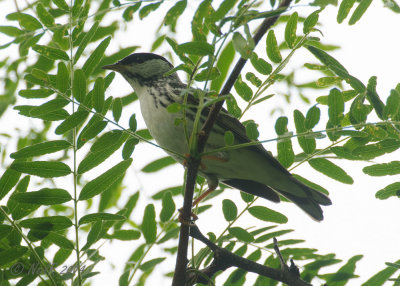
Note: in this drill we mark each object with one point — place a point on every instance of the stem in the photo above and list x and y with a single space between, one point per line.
30 245
75 150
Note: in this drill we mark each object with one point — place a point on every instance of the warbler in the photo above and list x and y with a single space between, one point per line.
250 169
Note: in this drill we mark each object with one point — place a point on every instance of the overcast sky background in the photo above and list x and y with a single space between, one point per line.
356 223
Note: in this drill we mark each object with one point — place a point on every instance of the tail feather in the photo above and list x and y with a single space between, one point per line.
305 197
308 205
254 188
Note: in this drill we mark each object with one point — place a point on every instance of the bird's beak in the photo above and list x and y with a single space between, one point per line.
115 67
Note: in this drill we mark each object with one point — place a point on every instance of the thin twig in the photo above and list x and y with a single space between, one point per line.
223 259
193 163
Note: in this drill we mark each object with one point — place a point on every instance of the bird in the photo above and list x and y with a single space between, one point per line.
251 169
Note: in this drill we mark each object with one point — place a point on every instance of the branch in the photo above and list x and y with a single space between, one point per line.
223 259
193 163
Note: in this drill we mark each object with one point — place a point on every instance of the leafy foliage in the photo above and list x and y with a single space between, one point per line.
61 49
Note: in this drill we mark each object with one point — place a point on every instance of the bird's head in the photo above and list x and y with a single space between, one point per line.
140 68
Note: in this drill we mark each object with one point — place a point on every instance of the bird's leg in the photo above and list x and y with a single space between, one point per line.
212 185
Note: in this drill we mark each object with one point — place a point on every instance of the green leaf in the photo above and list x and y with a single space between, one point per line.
359 111
79 85
223 63
233 107
158 164
197 48
93 159
48 107
243 89
388 191
328 81
8 180
94 234
266 214
207 74
247 198
13 253
270 235
62 255
98 94
229 210
51 53
253 79
117 108
149 265
241 234
307 144
86 39
26 21
44 16
345 273
262 66
392 106
62 78
312 117
229 138
11 31
133 123
310 22
331 170
72 121
125 234
148 8
42 169
93 61
360 10
129 147
382 276
149 225
35 93
337 68
273 52
44 196
41 149
168 207
49 223
61 4
290 30
104 181
89 218
371 151
106 140
285 152
251 130
335 107
392 5
223 9
91 130
59 240
173 14
391 168
329 61
344 9
241 45
373 97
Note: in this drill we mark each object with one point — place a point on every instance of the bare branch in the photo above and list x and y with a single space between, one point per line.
223 259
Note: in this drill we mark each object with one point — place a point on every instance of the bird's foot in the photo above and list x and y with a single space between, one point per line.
189 222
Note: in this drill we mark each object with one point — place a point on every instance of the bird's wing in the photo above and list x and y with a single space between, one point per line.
227 122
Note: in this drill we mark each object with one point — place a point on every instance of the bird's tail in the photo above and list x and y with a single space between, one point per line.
311 202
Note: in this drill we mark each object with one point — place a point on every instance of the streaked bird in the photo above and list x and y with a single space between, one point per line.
251 169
